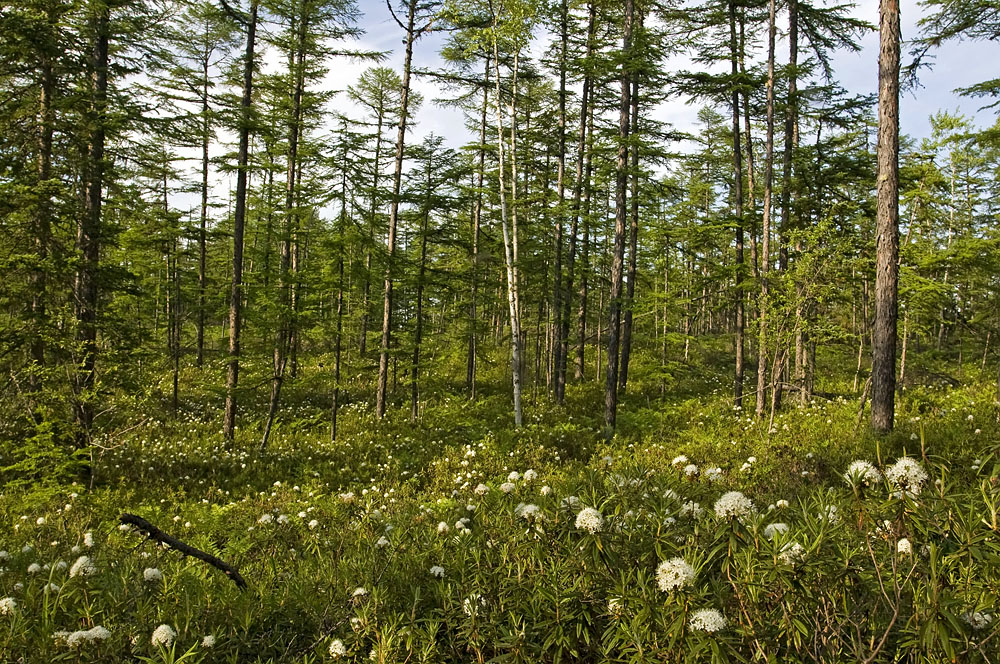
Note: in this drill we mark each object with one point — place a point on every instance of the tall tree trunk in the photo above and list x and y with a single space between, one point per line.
338 337
383 359
738 205
765 262
618 257
887 222
633 239
203 221
88 238
560 330
588 170
470 371
42 218
239 223
286 307
366 291
418 332
510 257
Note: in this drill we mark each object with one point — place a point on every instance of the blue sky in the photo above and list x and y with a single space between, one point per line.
957 64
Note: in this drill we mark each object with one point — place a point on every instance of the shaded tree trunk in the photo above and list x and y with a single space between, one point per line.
239 224
618 255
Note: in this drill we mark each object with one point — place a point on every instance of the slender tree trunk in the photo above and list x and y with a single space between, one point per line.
366 291
42 219
383 360
618 257
510 258
470 372
418 332
633 239
289 245
239 222
88 238
887 231
581 320
558 345
203 223
738 205
765 262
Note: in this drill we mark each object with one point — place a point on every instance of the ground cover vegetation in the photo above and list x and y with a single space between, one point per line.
583 387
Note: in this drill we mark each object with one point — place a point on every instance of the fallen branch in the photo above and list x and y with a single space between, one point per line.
157 535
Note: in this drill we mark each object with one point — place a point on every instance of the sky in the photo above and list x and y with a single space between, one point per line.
956 64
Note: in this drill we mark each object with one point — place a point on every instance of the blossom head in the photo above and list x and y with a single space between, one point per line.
907 475
861 474
590 519
83 566
337 649
163 635
674 574
152 575
733 504
707 620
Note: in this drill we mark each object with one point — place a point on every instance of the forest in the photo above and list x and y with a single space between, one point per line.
286 378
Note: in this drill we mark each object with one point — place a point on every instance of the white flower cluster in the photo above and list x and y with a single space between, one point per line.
861 473
713 474
529 512
691 509
337 649
791 553
733 504
907 475
590 519
707 620
437 571
81 637
163 635
507 487
674 574
7 606
773 529
903 547
83 566
977 620
481 489
152 575
473 604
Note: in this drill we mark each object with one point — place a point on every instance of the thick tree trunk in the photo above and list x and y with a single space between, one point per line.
887 223
239 223
618 255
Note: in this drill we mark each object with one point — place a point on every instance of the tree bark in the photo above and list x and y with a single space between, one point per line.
383 359
88 238
887 222
618 255
765 262
633 238
738 206
239 223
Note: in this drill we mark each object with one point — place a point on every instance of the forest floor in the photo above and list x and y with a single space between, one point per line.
460 539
